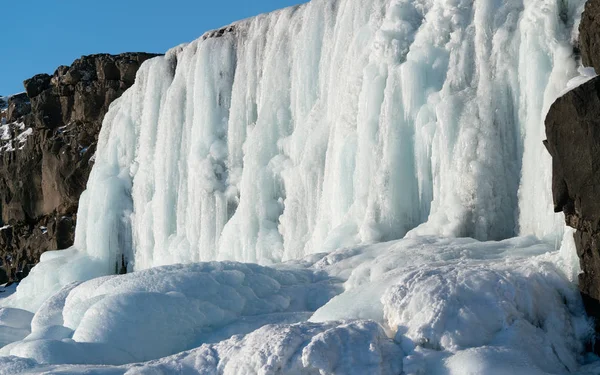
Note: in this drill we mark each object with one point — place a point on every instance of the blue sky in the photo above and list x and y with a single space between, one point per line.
40 35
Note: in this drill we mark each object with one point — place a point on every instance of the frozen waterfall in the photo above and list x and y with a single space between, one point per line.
331 124
325 125
345 145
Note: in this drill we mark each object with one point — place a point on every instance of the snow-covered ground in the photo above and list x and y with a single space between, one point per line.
413 306
348 147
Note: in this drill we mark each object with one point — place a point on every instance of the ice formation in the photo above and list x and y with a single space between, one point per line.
346 146
421 306
332 124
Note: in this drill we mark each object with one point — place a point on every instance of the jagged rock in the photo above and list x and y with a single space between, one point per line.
43 175
573 140
37 84
589 35
18 106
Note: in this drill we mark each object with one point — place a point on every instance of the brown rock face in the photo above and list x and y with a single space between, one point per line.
589 35
573 132
46 153
573 140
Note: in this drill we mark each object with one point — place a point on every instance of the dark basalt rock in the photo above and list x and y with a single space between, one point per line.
37 84
42 178
573 140
589 35
18 106
573 132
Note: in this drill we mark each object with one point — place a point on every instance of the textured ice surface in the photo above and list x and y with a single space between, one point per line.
161 311
422 306
354 141
354 348
332 124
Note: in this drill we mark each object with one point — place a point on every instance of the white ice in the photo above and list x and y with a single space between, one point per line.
428 305
347 145
333 124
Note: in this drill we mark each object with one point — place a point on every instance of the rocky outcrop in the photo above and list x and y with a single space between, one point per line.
46 153
589 35
573 140
17 106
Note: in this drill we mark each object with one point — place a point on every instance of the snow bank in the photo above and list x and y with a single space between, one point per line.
422 306
154 313
455 303
355 348
14 325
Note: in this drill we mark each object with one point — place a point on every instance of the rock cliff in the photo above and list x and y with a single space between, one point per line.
573 140
47 143
589 35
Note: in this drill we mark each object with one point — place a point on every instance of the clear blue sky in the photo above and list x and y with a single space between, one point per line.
40 35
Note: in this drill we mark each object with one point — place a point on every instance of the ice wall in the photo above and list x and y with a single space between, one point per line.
329 124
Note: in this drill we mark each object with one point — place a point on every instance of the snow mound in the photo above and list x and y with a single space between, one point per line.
352 348
162 311
14 325
419 305
306 348
444 298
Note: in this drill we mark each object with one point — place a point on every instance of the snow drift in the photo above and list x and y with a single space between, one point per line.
421 306
306 136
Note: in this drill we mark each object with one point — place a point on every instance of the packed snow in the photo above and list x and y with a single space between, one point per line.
349 148
422 306
585 74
